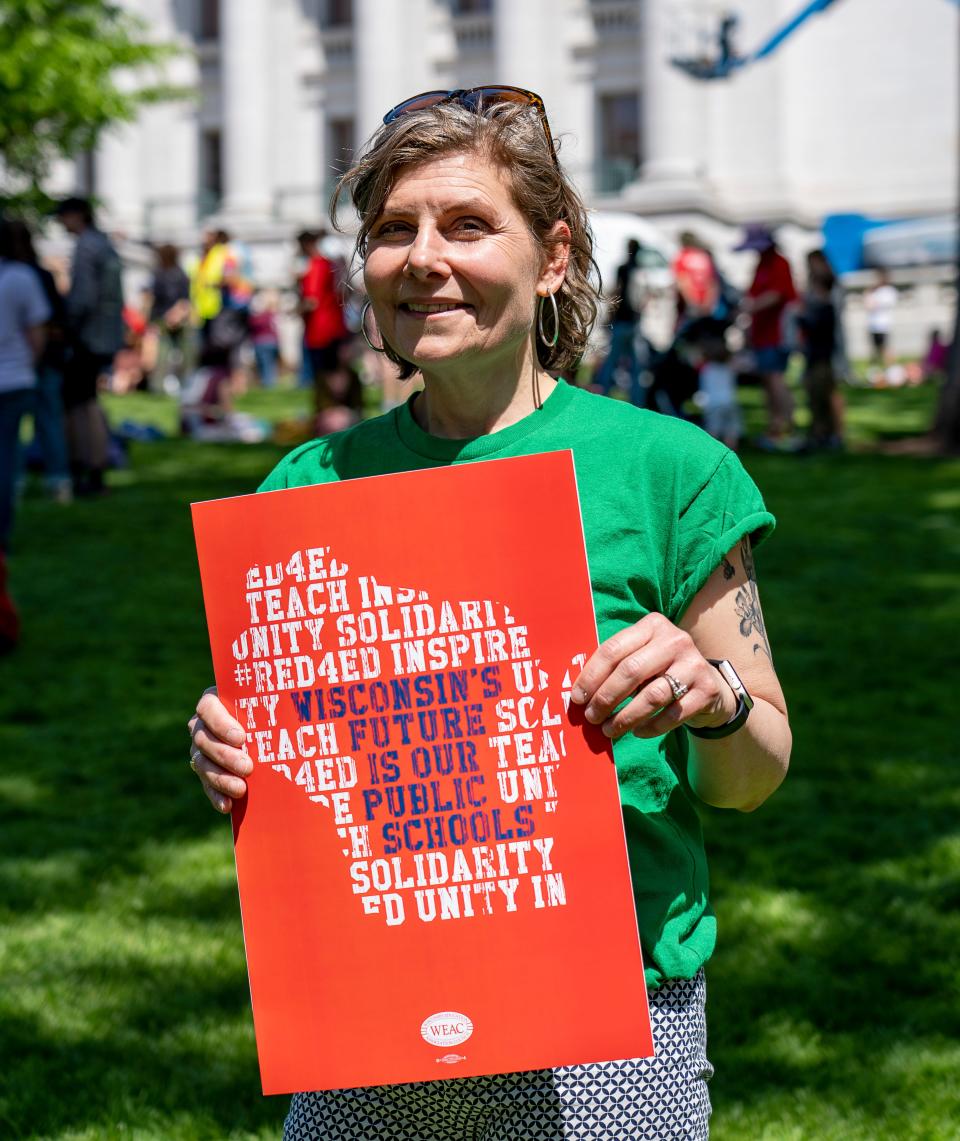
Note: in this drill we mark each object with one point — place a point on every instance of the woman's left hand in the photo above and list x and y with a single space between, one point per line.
635 663
724 620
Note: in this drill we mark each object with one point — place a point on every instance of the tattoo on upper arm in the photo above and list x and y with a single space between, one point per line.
747 603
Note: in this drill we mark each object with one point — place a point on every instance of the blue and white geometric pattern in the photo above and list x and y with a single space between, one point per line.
644 1099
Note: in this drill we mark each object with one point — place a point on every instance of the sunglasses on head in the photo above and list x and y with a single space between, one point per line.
475 99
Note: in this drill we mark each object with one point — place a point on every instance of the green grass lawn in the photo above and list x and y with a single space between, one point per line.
834 996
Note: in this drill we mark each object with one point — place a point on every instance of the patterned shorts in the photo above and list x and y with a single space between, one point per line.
644 1099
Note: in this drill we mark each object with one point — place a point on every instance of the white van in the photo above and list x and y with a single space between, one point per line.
612 229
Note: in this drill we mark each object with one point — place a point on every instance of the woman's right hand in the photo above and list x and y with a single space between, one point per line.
217 753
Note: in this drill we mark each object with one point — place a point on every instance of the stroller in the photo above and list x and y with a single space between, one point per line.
675 371
675 375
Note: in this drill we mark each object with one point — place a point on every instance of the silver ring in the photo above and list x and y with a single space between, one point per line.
679 688
195 755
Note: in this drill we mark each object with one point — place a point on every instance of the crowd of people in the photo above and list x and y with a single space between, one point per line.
722 338
207 322
203 328
67 334
54 346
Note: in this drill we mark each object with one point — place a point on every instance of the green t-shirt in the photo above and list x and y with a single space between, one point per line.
662 503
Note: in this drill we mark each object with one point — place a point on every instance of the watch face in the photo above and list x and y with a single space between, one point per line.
732 679
744 703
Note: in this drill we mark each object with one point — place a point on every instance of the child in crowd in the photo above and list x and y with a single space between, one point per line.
264 336
345 388
938 357
207 413
717 393
819 325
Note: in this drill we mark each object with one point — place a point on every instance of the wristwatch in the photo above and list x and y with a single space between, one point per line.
744 703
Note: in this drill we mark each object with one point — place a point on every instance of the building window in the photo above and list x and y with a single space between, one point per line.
209 19
338 13
619 149
473 26
211 170
339 145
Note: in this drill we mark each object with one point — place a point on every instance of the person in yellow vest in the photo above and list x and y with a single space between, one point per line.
220 298
207 279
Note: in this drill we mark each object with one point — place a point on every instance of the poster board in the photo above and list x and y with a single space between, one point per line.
431 860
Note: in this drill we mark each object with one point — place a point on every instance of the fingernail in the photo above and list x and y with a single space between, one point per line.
246 764
592 715
579 694
236 736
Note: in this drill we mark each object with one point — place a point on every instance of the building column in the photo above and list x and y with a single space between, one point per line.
296 142
674 117
170 173
244 75
530 39
117 179
529 45
393 56
527 48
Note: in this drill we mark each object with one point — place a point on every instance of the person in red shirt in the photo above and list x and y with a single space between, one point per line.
698 286
770 292
324 327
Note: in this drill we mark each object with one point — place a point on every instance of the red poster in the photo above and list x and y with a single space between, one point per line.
432 867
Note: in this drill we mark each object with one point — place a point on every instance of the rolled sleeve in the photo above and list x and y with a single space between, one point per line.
728 507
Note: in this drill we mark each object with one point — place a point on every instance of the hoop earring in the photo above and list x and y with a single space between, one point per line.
363 329
549 342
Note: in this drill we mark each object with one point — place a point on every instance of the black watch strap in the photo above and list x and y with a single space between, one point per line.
744 703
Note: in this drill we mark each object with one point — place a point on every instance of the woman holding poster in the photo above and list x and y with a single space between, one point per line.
477 263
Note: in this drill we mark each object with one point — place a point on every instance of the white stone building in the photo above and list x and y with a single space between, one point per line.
856 111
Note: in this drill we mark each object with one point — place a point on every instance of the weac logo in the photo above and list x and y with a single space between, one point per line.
448 1028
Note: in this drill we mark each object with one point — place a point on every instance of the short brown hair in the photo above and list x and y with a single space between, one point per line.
511 136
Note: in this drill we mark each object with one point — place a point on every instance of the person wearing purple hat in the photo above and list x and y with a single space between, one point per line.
770 292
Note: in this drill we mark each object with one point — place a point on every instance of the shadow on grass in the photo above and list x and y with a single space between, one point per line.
831 996
837 901
112 865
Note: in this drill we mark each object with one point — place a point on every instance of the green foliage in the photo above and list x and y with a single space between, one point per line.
68 69
834 1001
